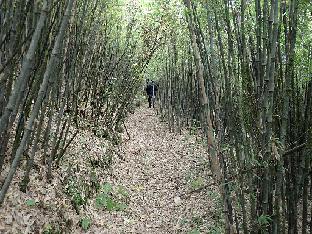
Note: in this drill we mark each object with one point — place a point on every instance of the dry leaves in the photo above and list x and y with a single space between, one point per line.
156 168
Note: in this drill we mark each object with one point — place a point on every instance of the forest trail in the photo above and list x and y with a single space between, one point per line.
158 168
72 71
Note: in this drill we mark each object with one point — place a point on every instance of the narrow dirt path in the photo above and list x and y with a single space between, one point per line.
158 168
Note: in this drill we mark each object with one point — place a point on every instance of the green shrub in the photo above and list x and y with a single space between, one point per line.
85 223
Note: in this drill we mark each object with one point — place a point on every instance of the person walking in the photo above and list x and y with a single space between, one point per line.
151 91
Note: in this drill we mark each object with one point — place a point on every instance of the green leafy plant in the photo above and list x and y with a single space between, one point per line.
107 188
30 202
111 205
101 200
85 223
194 231
109 200
121 206
76 192
106 201
51 229
197 183
264 221
216 230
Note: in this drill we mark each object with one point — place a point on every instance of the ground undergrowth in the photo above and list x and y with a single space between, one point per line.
154 182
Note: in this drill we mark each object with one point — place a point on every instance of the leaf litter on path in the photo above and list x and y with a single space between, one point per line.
154 169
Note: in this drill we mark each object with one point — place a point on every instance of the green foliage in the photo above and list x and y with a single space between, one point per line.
30 202
197 183
101 200
107 188
78 191
77 198
51 229
85 223
198 221
107 202
264 221
194 231
216 230
109 199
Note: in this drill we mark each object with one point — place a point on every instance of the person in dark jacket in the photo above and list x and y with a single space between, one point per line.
151 91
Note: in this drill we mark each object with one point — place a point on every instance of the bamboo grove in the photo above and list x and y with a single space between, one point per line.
241 72
238 70
62 64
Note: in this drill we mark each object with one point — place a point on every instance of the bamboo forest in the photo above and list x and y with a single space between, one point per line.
156 116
